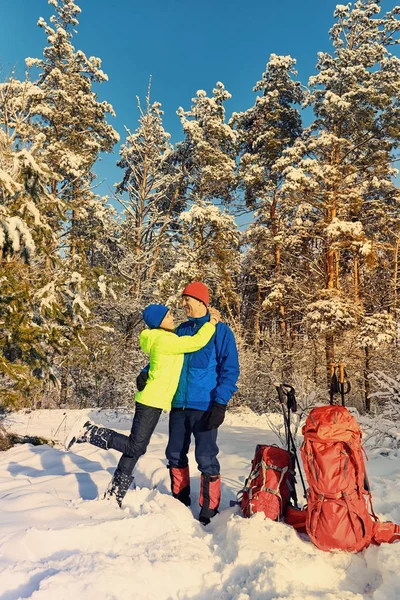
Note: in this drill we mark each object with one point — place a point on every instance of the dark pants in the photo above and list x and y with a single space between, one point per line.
134 446
184 423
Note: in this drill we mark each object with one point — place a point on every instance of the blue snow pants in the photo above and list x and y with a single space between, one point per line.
182 424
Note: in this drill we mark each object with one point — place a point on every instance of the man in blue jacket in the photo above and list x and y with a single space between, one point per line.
207 382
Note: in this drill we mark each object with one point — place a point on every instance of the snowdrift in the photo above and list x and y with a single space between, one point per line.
58 540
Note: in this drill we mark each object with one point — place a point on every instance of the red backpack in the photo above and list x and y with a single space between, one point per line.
270 484
338 496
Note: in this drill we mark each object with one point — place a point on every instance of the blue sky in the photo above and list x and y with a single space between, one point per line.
185 45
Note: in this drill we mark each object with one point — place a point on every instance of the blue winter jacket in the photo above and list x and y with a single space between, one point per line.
209 374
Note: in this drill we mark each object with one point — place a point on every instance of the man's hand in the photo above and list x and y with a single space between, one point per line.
216 417
141 380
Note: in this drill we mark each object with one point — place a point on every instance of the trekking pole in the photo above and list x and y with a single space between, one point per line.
282 403
288 423
338 380
291 402
346 381
332 382
341 381
291 406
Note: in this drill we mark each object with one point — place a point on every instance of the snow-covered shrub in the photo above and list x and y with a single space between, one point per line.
383 429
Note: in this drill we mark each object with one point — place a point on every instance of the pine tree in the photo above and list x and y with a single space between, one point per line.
207 242
150 195
208 251
71 117
74 126
339 197
264 131
27 212
47 216
207 154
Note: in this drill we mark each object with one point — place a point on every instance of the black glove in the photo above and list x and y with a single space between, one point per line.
216 417
141 380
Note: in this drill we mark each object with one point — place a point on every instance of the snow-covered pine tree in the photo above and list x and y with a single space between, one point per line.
376 332
127 249
339 197
70 116
263 132
26 206
27 215
208 246
73 122
208 251
207 154
64 130
149 193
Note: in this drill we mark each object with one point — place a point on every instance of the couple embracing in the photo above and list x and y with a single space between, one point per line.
192 372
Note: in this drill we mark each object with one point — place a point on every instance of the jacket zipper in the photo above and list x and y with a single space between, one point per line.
186 384
187 375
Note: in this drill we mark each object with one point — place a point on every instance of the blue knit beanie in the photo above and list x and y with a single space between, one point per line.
154 314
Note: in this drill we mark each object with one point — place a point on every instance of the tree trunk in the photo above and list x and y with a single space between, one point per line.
329 355
52 250
277 254
367 398
63 386
257 321
331 283
356 280
316 362
395 275
162 231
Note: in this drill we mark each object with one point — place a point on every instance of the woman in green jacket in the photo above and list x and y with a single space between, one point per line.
166 352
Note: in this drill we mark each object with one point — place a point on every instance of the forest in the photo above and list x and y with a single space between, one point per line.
313 281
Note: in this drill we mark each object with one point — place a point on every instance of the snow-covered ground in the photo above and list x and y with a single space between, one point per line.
60 541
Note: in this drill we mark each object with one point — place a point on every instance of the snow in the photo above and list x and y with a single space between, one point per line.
8 183
32 209
47 296
60 540
102 285
338 227
78 301
208 214
18 232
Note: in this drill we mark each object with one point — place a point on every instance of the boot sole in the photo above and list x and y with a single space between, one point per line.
77 430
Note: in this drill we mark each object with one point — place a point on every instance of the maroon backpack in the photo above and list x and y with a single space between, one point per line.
270 484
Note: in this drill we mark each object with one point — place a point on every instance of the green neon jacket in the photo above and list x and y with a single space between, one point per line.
167 351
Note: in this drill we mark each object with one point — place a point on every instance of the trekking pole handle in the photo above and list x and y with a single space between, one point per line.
343 379
284 389
331 369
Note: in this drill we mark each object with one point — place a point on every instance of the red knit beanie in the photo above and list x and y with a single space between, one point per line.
197 290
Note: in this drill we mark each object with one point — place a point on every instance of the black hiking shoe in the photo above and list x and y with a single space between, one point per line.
79 432
118 486
86 431
205 519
